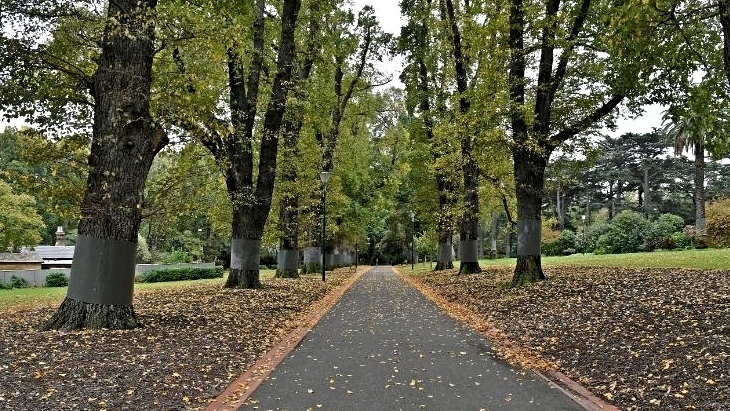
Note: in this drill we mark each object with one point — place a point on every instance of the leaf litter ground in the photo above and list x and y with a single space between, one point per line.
195 341
643 339
651 339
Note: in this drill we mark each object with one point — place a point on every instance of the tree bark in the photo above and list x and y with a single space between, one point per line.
493 237
529 169
252 202
469 233
699 180
124 143
445 226
469 226
724 9
288 266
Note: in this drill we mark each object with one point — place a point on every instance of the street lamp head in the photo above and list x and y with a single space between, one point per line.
583 217
412 215
324 176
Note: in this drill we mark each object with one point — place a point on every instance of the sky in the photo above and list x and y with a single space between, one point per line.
388 14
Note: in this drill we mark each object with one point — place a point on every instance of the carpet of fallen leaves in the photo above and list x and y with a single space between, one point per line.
195 340
642 339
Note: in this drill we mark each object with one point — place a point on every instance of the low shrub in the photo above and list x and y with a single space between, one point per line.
628 232
666 225
17 282
682 240
718 224
180 274
560 244
664 243
56 280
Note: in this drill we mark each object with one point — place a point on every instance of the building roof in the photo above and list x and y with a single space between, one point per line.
26 257
53 252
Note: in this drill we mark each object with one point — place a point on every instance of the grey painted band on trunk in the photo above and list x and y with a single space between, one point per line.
445 252
701 224
469 251
528 244
245 254
287 260
102 271
312 255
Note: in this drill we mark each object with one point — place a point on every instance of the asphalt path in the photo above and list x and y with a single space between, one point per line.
384 346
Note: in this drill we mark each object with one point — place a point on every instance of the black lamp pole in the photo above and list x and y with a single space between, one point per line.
324 176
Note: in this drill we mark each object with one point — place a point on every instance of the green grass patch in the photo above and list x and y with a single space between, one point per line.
25 298
706 259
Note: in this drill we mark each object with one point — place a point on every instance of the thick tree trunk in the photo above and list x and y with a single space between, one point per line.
493 237
125 141
251 204
444 258
646 193
700 220
469 233
529 169
288 262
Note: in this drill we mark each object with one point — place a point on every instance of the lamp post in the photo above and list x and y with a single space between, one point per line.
324 176
413 228
202 245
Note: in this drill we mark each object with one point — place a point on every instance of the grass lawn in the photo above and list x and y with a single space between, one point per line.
38 297
708 259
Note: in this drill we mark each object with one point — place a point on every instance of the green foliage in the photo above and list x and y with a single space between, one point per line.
17 282
20 224
681 240
718 223
427 244
180 274
144 256
663 230
564 243
176 256
628 232
56 280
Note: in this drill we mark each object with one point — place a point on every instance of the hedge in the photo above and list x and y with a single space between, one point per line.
180 274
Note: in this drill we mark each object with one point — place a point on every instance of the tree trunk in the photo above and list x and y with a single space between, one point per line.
493 237
125 141
724 9
529 169
700 221
646 191
288 263
444 259
469 233
251 204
